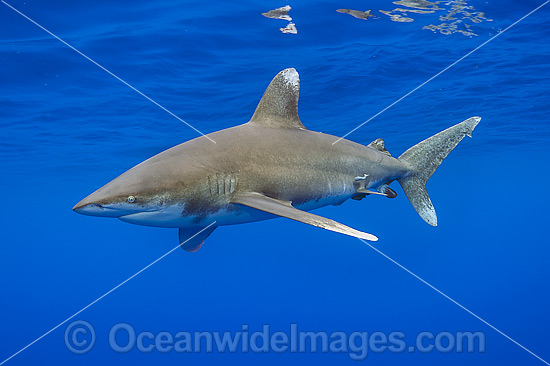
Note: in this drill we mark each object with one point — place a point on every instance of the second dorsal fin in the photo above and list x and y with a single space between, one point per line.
279 104
379 145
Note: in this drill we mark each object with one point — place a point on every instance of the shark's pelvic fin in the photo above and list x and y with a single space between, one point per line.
190 240
285 209
424 158
279 104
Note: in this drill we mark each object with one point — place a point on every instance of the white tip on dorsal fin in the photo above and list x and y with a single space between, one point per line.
279 105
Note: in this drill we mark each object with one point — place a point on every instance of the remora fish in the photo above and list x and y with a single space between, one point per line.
268 167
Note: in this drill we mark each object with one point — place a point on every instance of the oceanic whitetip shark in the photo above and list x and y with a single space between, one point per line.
269 167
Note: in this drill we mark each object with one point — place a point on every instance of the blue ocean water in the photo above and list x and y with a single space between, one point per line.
67 127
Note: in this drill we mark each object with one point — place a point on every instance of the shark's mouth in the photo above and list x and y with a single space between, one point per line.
147 218
95 209
158 216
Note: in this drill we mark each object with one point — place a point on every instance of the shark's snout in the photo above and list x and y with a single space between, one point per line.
86 205
99 204
95 209
83 207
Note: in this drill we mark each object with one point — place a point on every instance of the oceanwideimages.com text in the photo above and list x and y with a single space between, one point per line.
80 338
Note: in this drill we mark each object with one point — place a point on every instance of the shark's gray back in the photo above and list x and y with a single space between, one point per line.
287 163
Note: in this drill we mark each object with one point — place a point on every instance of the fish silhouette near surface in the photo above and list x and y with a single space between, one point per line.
356 13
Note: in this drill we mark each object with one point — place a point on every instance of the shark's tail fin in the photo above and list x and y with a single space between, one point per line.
424 158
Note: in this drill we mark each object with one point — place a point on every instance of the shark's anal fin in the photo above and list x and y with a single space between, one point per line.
285 209
366 191
192 238
279 105
383 190
387 191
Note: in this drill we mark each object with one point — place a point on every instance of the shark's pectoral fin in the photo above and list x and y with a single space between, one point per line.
285 209
193 237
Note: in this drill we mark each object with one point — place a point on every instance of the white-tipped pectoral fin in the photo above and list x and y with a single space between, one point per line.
285 209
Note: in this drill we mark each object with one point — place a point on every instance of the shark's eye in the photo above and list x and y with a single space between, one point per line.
131 199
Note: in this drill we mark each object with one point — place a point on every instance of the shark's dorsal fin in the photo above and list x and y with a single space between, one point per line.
285 209
279 104
379 145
